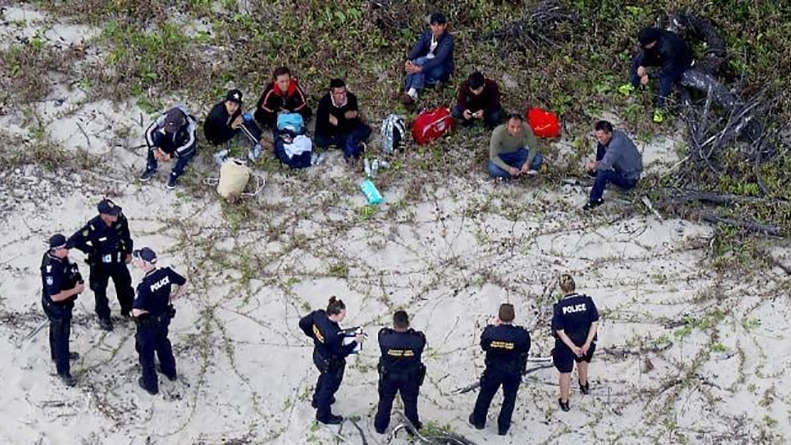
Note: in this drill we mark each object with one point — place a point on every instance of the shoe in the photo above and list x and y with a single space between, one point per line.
316 159
626 89
220 156
106 324
67 379
74 355
406 99
564 405
659 116
254 153
586 388
502 432
592 205
148 174
172 377
143 385
477 426
380 431
172 182
331 420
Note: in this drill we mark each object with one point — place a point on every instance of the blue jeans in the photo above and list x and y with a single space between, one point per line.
603 177
490 118
666 80
418 80
514 159
181 161
349 142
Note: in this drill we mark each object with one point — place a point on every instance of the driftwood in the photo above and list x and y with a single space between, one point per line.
424 438
537 29
750 226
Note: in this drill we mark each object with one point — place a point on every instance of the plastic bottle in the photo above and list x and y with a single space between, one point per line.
370 191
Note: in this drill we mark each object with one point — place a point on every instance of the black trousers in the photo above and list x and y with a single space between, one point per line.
491 381
100 276
408 385
151 338
59 316
328 383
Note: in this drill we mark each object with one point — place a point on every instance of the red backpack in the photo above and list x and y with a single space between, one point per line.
544 123
431 125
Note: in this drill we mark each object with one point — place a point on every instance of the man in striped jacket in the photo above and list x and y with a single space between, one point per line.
172 135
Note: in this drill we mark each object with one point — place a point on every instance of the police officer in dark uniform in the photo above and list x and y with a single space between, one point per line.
62 283
108 244
574 324
153 311
506 349
400 370
329 355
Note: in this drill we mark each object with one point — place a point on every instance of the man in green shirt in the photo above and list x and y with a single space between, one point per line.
513 149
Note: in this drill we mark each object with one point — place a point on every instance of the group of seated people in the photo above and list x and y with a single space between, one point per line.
283 108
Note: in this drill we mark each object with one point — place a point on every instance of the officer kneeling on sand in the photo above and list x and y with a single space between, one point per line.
62 282
506 349
153 310
574 324
400 370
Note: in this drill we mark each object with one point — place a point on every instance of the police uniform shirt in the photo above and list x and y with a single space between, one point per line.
153 292
574 314
401 351
54 276
103 243
505 345
325 334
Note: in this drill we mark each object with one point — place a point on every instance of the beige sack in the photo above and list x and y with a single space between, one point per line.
234 175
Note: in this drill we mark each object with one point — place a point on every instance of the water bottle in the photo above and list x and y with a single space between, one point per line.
369 189
367 165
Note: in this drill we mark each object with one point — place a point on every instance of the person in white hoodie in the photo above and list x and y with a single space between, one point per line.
172 135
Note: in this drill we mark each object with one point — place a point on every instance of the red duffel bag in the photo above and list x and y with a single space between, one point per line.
431 125
544 123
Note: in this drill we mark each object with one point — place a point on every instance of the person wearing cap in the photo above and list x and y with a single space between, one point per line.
431 59
108 244
663 49
338 121
152 310
506 347
400 370
227 120
478 99
62 283
282 95
618 161
574 324
172 135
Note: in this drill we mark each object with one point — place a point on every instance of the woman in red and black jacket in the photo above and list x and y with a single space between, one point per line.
283 94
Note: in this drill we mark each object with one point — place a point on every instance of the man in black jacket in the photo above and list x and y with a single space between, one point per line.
663 49
227 120
338 121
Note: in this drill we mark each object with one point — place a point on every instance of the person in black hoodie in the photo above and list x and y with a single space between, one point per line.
338 121
226 120
663 49
329 355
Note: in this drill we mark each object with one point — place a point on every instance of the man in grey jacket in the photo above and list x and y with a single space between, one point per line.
617 161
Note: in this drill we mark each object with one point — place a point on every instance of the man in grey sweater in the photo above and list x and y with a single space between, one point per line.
513 149
617 162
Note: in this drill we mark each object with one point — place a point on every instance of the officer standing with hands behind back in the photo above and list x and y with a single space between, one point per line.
153 310
62 283
108 244
506 349
400 370
329 355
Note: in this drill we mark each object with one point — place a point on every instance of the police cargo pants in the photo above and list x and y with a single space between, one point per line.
59 331
409 387
152 337
100 276
490 383
328 383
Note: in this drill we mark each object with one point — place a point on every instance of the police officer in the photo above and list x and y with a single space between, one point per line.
153 310
400 370
506 349
61 284
108 244
329 355
574 324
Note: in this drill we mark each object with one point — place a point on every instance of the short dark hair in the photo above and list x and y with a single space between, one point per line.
516 116
280 71
337 83
401 320
604 126
476 80
335 306
506 313
437 18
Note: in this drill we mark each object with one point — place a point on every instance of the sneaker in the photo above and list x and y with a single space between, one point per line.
172 377
592 205
332 420
172 182
478 426
148 174
67 379
626 89
564 405
74 355
106 324
317 158
406 99
254 153
659 116
220 156
586 388
143 385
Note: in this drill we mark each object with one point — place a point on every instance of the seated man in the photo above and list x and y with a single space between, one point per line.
225 121
173 134
664 49
282 95
617 161
478 98
430 60
338 122
513 149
